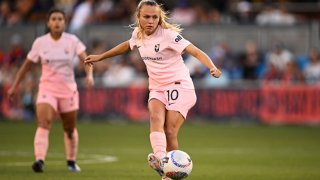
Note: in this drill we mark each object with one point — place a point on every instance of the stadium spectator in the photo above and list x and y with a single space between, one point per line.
215 16
123 11
16 52
183 13
40 9
5 12
24 10
102 10
172 91
292 74
141 75
201 13
273 15
98 47
277 61
82 15
119 74
312 69
243 13
250 61
67 6
223 55
196 68
8 16
57 88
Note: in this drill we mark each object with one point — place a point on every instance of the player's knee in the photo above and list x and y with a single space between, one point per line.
156 121
154 117
68 128
45 123
69 132
171 133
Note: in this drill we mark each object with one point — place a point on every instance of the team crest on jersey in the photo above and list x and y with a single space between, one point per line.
157 47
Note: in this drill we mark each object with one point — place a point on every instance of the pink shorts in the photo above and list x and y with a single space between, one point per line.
61 105
176 99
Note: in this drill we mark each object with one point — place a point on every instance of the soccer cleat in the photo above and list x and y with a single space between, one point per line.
38 166
156 164
73 167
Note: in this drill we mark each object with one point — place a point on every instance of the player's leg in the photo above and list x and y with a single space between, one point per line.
157 118
68 108
157 137
181 101
45 113
174 121
71 139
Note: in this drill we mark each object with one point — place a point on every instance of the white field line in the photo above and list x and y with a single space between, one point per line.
82 158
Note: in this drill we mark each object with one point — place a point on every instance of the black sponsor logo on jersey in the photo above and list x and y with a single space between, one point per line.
157 47
178 38
152 58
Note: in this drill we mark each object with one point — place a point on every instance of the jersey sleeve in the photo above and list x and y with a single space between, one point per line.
34 53
133 39
176 41
80 47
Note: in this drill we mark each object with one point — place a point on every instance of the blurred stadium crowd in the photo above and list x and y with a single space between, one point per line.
277 64
184 12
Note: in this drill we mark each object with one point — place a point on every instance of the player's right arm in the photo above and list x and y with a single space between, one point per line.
118 50
21 73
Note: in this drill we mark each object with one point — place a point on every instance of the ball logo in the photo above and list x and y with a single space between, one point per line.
177 175
178 164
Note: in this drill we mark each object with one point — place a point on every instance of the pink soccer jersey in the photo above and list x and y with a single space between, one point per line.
57 58
161 52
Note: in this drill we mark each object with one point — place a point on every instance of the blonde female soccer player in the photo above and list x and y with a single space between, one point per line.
172 92
58 92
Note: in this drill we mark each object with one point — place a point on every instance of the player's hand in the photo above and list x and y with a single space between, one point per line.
215 72
11 93
92 59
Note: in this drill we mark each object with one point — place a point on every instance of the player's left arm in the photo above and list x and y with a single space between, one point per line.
88 69
203 58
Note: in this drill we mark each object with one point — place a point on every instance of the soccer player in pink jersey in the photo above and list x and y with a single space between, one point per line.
172 91
58 92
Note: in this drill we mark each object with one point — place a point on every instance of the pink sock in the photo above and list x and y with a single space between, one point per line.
159 144
41 143
71 145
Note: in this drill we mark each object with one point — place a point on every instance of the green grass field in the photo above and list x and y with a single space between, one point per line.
118 151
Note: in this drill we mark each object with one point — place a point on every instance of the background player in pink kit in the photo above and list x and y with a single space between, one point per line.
172 91
58 92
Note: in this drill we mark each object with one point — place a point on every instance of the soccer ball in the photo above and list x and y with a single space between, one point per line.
177 165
